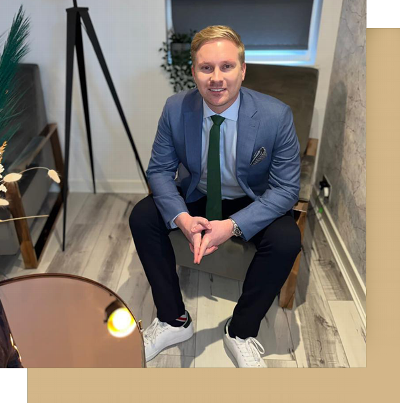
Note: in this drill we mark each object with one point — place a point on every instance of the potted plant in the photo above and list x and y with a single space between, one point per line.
177 60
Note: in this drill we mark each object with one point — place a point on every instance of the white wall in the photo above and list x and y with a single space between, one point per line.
329 27
130 33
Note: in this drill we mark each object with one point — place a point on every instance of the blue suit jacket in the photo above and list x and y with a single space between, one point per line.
263 121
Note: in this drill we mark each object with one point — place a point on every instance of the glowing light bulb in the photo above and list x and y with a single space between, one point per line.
121 323
122 319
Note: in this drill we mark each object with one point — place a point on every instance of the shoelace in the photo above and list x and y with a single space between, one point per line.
251 349
153 331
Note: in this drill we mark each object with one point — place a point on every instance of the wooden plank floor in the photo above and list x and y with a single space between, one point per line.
323 329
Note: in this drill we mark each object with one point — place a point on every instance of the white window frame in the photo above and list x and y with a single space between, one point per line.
279 57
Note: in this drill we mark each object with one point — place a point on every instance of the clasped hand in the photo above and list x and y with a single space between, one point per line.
215 233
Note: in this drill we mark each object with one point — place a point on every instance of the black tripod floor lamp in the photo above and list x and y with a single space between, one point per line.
75 17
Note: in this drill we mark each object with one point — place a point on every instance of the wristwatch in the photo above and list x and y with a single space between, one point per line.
235 230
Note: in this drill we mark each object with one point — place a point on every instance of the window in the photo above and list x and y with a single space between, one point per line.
273 31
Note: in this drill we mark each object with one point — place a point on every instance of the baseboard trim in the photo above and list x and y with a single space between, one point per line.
110 186
342 256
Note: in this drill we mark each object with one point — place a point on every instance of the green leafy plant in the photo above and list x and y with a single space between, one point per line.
177 60
14 49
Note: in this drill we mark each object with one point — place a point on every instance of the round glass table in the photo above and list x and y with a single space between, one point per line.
66 321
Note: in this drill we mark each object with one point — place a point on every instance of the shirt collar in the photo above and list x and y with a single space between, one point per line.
231 113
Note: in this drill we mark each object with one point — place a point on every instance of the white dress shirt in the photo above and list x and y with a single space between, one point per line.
230 188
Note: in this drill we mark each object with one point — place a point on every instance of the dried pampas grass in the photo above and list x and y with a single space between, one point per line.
50 172
2 148
15 177
12 177
54 175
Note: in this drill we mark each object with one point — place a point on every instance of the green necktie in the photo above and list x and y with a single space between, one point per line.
214 206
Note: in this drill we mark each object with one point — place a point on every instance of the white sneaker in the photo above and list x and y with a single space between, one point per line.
246 352
160 335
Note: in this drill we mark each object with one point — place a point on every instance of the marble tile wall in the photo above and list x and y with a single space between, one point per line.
342 154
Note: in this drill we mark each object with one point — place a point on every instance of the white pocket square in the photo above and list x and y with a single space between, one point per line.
258 156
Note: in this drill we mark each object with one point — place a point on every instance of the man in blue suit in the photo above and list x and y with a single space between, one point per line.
237 156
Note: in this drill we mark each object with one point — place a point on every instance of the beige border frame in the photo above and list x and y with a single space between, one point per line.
377 382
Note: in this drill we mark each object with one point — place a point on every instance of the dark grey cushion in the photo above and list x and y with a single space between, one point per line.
295 86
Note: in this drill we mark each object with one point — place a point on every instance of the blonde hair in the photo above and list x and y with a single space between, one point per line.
216 32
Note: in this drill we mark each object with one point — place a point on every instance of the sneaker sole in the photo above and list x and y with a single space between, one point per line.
177 341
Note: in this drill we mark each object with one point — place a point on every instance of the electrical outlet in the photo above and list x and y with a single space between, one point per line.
325 178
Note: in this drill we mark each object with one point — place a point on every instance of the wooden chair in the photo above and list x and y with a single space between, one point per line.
36 143
30 252
296 86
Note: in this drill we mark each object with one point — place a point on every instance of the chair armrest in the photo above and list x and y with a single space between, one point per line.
307 169
312 146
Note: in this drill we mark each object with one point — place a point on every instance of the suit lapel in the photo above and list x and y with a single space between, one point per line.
193 119
246 136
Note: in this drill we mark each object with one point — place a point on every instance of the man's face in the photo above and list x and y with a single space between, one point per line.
218 73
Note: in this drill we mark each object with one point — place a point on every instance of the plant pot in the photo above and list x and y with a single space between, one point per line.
180 53
178 48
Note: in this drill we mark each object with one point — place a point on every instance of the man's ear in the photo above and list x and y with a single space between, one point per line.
243 70
192 68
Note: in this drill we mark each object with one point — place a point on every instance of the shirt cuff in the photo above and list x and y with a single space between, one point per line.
172 224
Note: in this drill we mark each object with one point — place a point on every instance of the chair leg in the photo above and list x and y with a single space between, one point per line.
286 297
21 226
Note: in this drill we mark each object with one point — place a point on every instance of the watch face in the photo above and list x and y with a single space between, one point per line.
236 230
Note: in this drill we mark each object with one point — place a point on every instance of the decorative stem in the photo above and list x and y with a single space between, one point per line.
23 218
29 169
